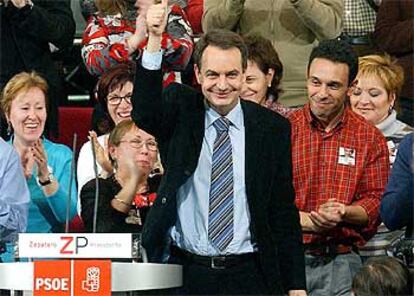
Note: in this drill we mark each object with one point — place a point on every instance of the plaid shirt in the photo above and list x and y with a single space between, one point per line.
359 18
319 172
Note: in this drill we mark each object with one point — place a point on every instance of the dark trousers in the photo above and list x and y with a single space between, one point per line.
243 279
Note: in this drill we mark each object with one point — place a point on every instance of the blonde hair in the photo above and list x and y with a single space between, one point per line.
21 83
115 138
385 69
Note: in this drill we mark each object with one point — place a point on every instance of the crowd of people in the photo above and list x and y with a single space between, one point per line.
265 174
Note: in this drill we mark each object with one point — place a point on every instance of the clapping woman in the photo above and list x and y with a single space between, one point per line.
46 165
126 195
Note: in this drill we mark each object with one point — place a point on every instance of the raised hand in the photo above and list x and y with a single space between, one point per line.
40 157
102 155
139 35
157 15
27 161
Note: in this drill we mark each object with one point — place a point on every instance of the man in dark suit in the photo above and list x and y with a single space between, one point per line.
226 199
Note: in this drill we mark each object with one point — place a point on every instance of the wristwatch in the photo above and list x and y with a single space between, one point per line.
49 180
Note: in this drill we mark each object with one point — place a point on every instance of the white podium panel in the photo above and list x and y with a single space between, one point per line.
125 276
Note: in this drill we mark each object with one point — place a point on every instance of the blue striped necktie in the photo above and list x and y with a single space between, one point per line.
220 219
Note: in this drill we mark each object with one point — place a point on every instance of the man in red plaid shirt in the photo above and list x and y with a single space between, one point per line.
340 169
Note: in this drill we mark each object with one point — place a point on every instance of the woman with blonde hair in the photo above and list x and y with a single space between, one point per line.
375 97
46 165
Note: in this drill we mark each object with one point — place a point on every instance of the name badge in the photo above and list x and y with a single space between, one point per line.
347 156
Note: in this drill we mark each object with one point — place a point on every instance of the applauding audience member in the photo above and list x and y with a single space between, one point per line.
125 196
115 34
340 169
46 165
114 99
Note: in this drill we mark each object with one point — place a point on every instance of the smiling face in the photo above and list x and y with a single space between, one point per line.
257 82
221 77
370 99
27 115
122 111
327 88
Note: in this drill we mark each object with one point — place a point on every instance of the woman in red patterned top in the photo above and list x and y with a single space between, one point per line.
126 196
116 34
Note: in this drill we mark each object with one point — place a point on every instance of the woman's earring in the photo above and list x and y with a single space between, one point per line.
390 109
9 129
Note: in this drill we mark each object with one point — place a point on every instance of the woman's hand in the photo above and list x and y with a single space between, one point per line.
40 157
139 35
101 153
128 164
27 161
43 173
157 16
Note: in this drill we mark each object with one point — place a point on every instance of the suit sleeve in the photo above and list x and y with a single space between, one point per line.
322 17
47 21
223 14
154 109
14 197
397 202
393 35
284 219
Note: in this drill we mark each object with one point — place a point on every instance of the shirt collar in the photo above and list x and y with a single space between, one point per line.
235 116
313 121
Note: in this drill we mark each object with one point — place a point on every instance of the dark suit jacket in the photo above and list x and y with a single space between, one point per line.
175 117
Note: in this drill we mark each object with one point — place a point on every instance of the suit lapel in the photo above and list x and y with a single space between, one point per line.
197 126
254 144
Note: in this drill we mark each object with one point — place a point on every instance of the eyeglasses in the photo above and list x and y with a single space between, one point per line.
138 144
117 100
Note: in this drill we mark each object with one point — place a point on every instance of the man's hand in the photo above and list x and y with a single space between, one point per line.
328 215
157 18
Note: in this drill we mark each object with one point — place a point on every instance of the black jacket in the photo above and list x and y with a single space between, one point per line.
25 37
176 118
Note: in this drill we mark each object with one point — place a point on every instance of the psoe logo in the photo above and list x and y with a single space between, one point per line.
92 279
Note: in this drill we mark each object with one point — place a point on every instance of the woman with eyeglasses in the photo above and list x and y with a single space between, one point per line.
114 99
126 195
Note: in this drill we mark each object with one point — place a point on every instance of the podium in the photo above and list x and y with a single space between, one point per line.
86 260
125 276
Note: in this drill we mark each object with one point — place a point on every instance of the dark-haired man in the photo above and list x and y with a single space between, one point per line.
226 199
340 168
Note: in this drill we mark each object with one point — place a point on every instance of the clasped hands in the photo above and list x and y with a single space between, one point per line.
328 215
